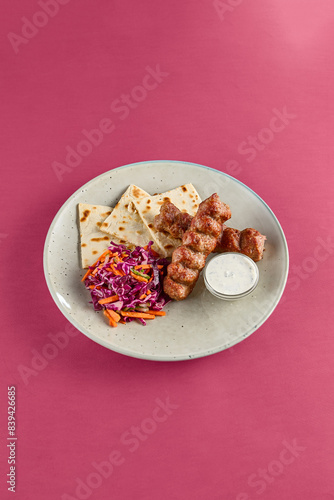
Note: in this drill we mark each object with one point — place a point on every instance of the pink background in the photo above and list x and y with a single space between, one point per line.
227 65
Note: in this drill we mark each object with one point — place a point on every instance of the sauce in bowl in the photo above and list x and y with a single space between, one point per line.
231 276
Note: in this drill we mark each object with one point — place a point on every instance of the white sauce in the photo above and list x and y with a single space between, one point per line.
231 274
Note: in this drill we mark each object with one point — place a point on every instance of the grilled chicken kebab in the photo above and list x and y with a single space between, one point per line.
249 241
199 239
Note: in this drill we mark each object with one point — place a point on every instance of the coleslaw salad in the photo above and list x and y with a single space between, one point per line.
127 284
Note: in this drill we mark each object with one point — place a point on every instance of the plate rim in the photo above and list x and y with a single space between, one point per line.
139 355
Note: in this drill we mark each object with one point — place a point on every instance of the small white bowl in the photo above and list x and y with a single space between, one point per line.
231 276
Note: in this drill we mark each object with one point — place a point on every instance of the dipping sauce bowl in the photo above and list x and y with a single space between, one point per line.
231 276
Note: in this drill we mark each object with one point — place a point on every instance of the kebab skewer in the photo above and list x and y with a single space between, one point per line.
198 241
249 241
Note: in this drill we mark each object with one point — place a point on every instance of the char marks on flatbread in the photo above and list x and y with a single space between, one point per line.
93 242
131 222
125 222
185 198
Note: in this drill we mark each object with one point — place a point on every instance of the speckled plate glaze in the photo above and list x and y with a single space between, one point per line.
202 324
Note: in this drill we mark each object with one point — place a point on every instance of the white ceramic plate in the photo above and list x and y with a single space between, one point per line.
201 324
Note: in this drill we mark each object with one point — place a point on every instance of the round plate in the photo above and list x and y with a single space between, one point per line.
198 326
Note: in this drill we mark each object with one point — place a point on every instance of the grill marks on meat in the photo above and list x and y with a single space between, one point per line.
207 225
197 243
188 258
172 220
249 241
229 240
183 274
177 291
252 243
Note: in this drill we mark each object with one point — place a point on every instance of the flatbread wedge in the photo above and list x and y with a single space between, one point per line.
93 242
124 222
185 198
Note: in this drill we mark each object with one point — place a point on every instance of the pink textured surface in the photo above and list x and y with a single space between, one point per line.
229 67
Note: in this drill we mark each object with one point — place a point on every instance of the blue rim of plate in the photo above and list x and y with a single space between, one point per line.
161 358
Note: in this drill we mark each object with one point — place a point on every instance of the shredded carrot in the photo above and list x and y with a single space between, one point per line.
157 313
113 298
131 314
101 258
139 278
97 268
113 270
116 271
155 254
114 315
91 270
87 274
112 322
120 317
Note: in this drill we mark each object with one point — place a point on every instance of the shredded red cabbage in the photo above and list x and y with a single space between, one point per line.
104 283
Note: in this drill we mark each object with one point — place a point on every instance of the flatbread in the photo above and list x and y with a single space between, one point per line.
93 241
125 222
132 220
185 198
